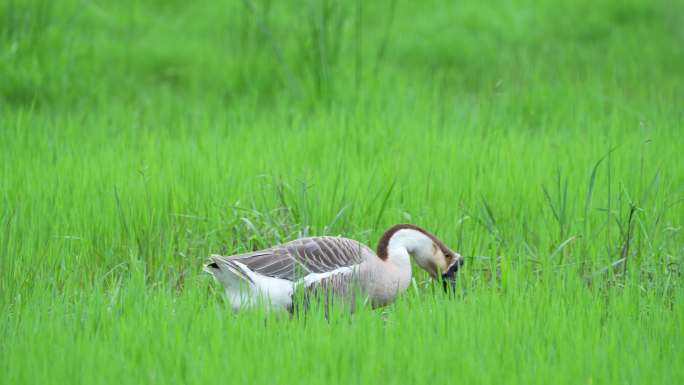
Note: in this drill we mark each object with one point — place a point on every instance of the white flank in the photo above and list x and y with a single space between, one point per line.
276 292
271 292
312 278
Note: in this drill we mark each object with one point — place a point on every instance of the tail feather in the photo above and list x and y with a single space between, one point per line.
225 270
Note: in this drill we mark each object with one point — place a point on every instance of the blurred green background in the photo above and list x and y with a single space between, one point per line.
540 139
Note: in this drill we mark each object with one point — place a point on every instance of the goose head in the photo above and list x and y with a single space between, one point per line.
430 253
451 261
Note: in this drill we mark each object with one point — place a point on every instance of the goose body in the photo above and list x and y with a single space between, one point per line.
334 264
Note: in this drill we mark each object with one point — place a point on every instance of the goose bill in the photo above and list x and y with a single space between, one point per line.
449 277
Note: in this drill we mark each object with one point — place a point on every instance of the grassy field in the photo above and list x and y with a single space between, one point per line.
542 140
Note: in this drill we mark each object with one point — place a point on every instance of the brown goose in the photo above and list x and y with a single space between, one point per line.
271 275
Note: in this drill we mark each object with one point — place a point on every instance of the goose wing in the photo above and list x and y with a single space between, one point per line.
303 256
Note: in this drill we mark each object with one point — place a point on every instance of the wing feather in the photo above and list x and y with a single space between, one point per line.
295 259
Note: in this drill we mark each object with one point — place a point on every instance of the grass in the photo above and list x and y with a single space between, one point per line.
541 140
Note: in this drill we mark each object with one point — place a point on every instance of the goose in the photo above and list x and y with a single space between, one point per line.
272 275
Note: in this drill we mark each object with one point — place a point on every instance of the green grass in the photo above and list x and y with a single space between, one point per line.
541 140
